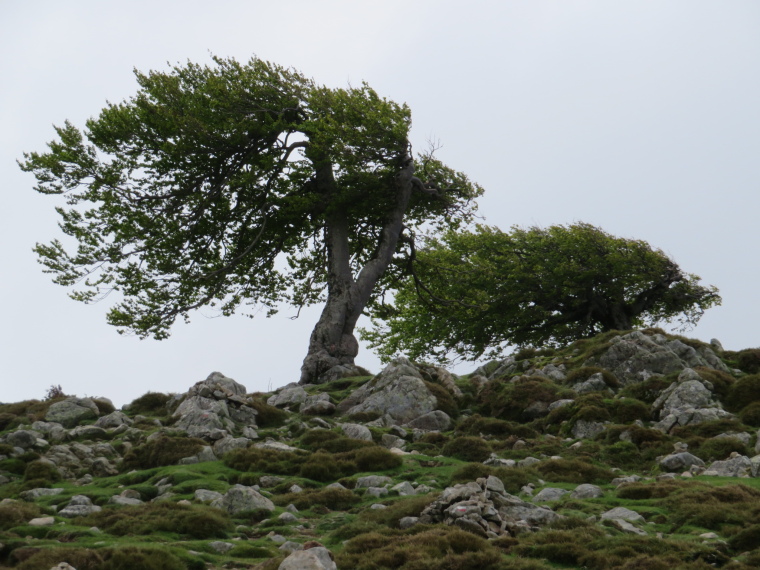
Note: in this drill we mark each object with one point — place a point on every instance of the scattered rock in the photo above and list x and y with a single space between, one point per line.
240 498
356 431
623 514
316 558
79 506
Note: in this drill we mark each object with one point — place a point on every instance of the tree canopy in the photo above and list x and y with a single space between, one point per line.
473 291
243 184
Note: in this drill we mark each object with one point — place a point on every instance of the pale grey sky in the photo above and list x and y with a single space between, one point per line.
640 116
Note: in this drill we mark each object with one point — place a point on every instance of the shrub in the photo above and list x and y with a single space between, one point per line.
746 539
585 372
720 448
192 521
440 548
750 414
648 390
264 460
748 360
573 471
622 454
467 449
744 391
16 513
105 407
80 558
323 467
332 498
149 403
268 416
444 400
41 470
476 425
376 459
163 450
628 410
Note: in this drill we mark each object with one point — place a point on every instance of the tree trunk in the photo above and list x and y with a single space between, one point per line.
332 341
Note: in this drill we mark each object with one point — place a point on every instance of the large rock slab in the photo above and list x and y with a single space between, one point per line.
72 411
635 357
398 391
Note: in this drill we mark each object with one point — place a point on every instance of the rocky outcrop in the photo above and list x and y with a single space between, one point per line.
688 401
214 404
635 356
398 391
484 508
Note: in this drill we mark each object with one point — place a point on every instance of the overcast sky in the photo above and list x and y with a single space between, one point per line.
642 117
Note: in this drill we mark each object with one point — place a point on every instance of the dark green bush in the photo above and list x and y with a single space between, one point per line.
251 551
585 372
268 416
467 449
748 360
744 391
628 410
746 539
444 400
105 406
476 425
573 471
376 459
8 421
364 417
41 470
199 522
623 454
163 450
335 499
323 467
721 381
648 390
720 448
750 414
149 403
16 513
268 461
79 558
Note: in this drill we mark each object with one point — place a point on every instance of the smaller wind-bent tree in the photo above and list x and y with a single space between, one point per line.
234 184
474 291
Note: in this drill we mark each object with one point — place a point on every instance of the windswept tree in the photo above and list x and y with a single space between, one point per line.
473 291
236 185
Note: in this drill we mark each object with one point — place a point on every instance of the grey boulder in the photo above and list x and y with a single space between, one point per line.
71 411
240 498
317 558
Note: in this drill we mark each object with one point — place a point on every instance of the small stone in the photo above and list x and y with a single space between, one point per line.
42 521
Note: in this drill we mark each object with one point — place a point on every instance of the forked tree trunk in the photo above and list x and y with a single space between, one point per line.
332 341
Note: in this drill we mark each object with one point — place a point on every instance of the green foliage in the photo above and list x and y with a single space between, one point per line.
44 470
163 450
477 424
510 400
573 471
467 449
184 195
122 558
748 360
16 513
439 548
331 498
744 391
474 291
750 414
444 400
163 516
720 448
268 416
149 403
585 372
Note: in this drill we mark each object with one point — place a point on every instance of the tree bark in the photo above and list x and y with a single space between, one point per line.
332 341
